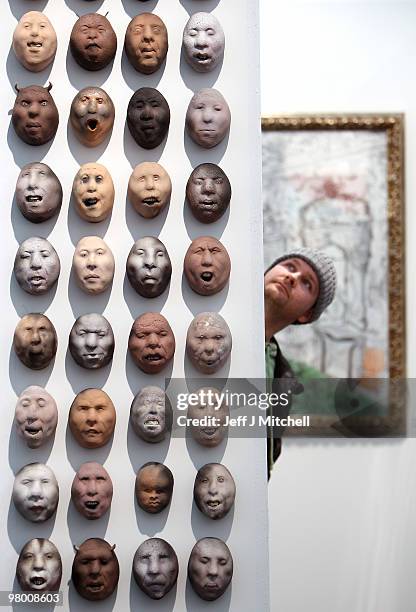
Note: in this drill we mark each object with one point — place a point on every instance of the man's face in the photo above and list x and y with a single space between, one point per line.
93 41
91 341
151 342
291 287
148 117
207 265
148 414
35 341
39 567
154 486
209 435
35 492
155 567
148 267
36 416
214 490
93 191
92 115
210 568
92 418
208 118
35 116
93 264
95 570
36 266
149 189
203 42
208 342
208 192
146 42
92 490
34 41
38 192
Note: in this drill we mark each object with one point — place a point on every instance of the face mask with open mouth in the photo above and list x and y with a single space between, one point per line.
39 567
207 265
36 416
93 191
95 569
38 192
34 41
214 490
149 189
203 42
92 490
93 42
92 116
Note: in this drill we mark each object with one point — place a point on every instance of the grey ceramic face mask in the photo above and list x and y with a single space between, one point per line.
91 341
35 492
155 567
39 567
148 267
38 192
214 490
208 118
210 568
208 342
203 42
36 416
36 266
150 414
209 417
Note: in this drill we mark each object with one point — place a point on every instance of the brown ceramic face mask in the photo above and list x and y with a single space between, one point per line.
208 342
210 406
95 570
146 42
39 567
148 267
92 418
93 264
93 191
92 490
34 41
155 567
214 490
92 116
208 192
151 342
148 117
36 416
93 42
35 117
38 192
154 487
207 265
35 341
149 189
208 118
210 568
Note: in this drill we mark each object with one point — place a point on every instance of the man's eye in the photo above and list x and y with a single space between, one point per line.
198 181
99 179
218 337
220 479
24 103
210 32
219 181
100 100
44 103
156 29
217 107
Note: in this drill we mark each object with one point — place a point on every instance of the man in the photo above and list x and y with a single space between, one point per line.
298 287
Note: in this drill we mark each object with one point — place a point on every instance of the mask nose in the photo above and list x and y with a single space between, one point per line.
206 259
201 41
92 106
208 186
91 341
146 113
148 34
33 110
35 261
153 340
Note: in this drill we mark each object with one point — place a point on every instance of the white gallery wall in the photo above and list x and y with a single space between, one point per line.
342 513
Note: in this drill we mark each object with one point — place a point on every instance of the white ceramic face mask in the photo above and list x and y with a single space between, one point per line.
208 118
203 42
36 492
93 264
36 266
34 41
36 416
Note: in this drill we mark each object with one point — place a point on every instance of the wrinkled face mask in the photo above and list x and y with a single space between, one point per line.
93 191
208 342
36 416
39 567
95 569
208 192
151 342
38 192
92 490
207 265
93 42
35 117
92 418
92 116
91 341
35 341
214 490
36 266
210 568
203 42
150 414
35 492
146 42
155 567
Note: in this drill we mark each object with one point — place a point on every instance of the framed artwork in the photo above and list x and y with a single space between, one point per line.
335 183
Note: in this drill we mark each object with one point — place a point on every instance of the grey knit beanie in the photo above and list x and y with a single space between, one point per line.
325 271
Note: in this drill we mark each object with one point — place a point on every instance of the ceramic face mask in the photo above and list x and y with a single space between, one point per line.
93 42
214 490
92 116
38 192
146 42
150 414
151 342
208 118
93 264
39 567
209 407
207 265
92 490
148 117
35 117
95 570
36 416
34 41
92 418
148 267
155 567
210 568
93 191
35 341
36 266
91 341
154 487
35 492
208 342
149 189
203 42
208 192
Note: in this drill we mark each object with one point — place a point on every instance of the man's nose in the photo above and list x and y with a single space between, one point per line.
149 183
35 338
92 488
34 110
91 340
212 487
206 259
206 115
149 262
208 186
91 416
146 113
92 105
209 346
38 564
36 489
91 262
35 261
212 568
91 185
153 340
33 181
34 30
153 566
148 33
94 567
201 40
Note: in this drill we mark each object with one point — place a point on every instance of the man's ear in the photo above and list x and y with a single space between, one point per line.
305 318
